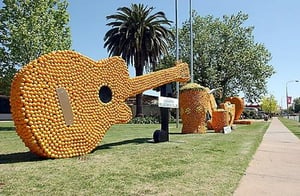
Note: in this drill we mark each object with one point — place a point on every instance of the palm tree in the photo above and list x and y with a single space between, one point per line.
138 36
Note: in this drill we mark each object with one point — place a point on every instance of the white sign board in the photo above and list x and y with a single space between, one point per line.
5 117
227 129
167 102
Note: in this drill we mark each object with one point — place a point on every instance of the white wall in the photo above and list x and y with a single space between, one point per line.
5 117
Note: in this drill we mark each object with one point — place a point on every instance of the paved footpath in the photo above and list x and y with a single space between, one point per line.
275 168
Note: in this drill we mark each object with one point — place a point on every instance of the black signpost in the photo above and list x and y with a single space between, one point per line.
162 135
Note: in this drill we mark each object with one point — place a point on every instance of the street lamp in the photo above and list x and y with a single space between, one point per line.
286 94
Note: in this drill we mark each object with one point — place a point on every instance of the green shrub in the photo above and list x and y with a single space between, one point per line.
145 120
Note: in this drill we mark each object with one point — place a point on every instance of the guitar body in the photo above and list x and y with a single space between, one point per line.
63 103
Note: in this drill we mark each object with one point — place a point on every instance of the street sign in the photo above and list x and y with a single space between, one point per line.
167 102
227 129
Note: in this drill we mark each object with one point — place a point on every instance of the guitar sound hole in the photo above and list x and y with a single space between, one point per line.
105 94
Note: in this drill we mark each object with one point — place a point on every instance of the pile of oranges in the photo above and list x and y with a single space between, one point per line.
95 93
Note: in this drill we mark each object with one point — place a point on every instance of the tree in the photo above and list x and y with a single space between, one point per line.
226 55
297 105
141 38
269 104
6 75
28 29
7 72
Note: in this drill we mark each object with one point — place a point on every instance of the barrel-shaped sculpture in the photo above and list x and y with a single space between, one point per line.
194 105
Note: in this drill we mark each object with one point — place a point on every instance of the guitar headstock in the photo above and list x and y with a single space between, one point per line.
182 71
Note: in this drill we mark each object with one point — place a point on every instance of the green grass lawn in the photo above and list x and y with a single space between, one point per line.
126 162
292 125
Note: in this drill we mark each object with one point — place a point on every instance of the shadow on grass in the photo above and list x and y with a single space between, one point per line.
133 141
30 157
175 133
7 129
19 157
180 133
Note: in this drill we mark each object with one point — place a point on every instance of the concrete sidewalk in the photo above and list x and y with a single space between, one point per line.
275 168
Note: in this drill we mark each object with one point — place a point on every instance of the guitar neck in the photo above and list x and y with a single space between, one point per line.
179 73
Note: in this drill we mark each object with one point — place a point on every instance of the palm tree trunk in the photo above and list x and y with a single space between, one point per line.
139 98
139 105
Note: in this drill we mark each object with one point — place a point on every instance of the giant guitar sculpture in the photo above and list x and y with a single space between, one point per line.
63 103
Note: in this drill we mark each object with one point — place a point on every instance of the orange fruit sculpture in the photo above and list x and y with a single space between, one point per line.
219 120
230 112
63 103
239 106
194 102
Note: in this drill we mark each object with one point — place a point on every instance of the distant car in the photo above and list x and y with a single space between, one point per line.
250 112
251 109
261 114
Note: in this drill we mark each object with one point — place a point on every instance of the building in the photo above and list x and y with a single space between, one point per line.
4 108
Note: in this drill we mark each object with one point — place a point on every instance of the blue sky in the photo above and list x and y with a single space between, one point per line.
276 25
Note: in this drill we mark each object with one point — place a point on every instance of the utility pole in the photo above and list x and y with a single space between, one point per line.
177 58
287 96
191 43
